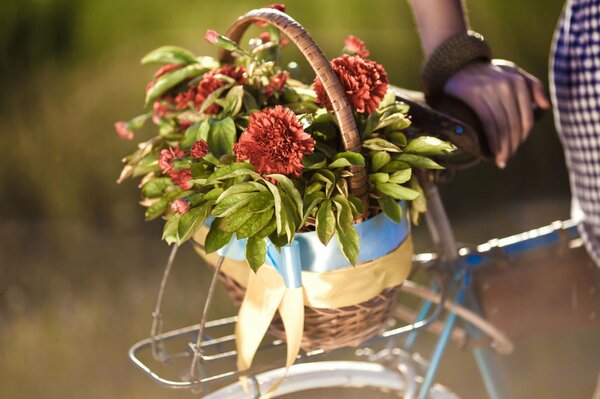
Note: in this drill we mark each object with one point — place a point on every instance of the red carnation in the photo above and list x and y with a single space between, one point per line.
196 95
354 45
364 81
180 206
122 131
160 109
182 178
274 142
165 160
199 150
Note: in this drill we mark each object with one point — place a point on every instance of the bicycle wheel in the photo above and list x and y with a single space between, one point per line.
347 379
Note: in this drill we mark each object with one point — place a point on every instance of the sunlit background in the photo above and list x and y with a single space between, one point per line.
79 268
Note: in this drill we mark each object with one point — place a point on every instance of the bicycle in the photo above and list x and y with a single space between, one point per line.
209 344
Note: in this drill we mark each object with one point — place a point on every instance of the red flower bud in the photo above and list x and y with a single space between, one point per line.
122 131
180 206
211 36
355 46
199 150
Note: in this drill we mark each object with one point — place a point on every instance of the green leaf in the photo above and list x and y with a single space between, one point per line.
397 138
255 224
344 214
172 79
397 120
222 136
156 209
231 204
268 229
249 102
314 160
278 210
379 160
246 187
278 240
395 166
379 144
353 157
339 163
235 220
261 202
397 192
427 145
137 122
191 221
419 205
350 243
216 238
313 188
419 161
213 194
156 187
170 229
325 222
194 133
233 101
359 207
310 203
212 98
169 55
233 170
256 250
388 99
376 178
391 208
291 191
401 176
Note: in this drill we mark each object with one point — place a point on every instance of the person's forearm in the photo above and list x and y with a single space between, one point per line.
437 20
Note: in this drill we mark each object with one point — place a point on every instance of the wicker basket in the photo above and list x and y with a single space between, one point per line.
326 329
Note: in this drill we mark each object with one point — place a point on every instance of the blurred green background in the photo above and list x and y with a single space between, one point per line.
79 268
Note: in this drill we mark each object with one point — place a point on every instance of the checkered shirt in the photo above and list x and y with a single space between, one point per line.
575 88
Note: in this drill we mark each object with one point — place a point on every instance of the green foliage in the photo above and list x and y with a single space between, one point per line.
246 204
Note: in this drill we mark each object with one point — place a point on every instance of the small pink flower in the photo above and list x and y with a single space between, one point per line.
211 36
180 206
122 131
199 150
182 178
355 46
165 160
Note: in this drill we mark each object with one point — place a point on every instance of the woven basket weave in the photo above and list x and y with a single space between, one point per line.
326 329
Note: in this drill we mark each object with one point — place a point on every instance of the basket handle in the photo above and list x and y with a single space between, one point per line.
320 64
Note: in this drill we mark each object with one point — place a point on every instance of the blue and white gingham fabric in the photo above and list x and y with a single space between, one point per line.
575 88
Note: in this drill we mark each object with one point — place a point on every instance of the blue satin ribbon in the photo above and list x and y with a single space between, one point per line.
378 237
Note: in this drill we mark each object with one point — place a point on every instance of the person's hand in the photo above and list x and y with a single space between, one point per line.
503 96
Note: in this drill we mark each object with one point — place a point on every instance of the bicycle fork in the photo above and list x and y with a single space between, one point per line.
445 243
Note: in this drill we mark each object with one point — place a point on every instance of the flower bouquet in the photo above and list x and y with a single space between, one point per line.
305 189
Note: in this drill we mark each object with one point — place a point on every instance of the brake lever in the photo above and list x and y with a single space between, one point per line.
428 121
452 120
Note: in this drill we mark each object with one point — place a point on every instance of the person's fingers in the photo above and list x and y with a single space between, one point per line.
496 128
538 92
523 97
510 120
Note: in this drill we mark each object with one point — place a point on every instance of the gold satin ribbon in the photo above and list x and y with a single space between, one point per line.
266 292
